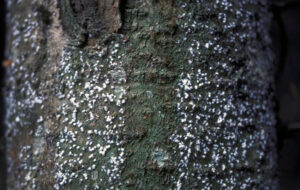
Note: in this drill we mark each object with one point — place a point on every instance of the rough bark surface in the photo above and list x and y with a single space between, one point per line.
177 95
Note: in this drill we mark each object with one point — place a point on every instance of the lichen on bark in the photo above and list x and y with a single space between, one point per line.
179 98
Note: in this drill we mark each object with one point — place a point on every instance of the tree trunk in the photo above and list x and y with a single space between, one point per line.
149 94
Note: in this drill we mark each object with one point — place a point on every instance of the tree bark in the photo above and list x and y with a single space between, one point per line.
153 94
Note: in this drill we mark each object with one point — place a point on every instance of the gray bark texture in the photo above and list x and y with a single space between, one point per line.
140 94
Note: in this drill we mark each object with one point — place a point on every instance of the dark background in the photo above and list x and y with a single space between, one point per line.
286 38
2 108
